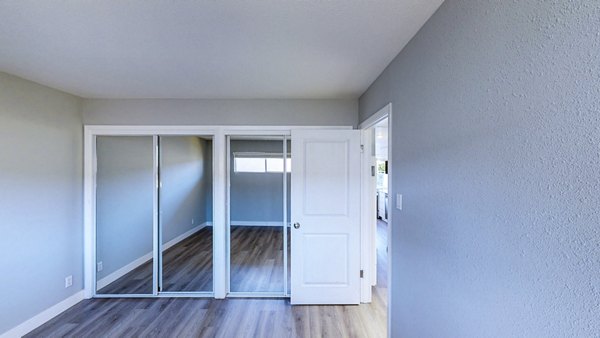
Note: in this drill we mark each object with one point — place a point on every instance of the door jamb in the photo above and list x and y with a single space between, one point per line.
368 209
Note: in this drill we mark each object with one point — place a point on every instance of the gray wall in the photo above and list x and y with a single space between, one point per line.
257 197
342 112
41 198
496 150
124 200
186 175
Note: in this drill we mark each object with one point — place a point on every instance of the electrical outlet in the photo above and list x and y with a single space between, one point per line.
99 267
68 281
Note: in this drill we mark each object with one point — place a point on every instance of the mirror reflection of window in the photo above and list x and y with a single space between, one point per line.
260 163
382 176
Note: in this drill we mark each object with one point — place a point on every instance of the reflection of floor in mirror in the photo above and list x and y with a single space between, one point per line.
256 264
176 317
187 266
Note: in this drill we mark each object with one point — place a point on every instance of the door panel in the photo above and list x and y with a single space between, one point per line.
326 210
326 169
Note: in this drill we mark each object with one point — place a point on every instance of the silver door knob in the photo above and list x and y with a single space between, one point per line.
296 225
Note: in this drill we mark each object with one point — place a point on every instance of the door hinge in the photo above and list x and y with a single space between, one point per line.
362 148
373 170
362 273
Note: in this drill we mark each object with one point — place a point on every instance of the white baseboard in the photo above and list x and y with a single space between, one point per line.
145 258
256 223
42 317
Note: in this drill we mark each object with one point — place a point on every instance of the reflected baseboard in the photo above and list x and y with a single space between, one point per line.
145 258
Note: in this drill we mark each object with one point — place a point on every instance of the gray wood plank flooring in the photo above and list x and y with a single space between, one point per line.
186 317
256 259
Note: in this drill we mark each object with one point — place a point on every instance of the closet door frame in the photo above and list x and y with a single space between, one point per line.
220 203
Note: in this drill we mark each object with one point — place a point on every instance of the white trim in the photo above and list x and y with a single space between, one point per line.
199 130
256 154
271 130
286 291
186 294
220 158
256 294
43 317
228 214
156 232
367 210
168 294
366 214
89 216
257 224
381 114
145 258
392 203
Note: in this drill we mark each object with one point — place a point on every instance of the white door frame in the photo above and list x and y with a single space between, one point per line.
368 209
219 193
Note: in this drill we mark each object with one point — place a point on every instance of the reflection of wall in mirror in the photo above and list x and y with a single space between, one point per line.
124 196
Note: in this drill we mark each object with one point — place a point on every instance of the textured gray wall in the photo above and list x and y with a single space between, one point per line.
186 184
496 150
40 197
124 200
257 197
343 112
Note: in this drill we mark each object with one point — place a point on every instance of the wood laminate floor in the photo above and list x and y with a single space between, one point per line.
256 259
187 317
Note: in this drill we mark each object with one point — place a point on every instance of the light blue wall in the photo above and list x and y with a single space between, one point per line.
496 150
124 200
186 169
257 197
41 198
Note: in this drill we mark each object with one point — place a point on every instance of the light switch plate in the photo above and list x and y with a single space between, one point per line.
399 201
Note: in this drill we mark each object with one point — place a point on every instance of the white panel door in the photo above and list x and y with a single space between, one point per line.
325 254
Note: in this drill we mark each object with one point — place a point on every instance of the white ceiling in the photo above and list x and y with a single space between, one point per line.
207 48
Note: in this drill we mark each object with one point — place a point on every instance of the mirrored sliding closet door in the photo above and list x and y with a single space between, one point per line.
185 214
124 215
